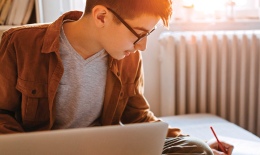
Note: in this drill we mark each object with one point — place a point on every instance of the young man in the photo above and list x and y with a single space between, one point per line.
84 70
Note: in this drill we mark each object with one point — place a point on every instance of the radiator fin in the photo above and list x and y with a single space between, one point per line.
214 72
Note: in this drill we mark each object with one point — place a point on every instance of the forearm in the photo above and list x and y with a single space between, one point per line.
9 101
8 124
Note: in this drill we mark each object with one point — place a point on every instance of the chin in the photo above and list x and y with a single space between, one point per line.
119 57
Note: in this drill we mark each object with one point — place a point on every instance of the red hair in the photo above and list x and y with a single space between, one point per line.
129 9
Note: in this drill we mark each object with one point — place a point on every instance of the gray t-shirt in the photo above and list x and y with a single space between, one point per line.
80 94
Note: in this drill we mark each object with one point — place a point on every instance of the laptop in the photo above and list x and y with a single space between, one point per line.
132 139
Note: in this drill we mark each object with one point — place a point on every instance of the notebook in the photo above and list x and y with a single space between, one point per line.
132 139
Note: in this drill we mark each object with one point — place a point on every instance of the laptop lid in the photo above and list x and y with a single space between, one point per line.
132 139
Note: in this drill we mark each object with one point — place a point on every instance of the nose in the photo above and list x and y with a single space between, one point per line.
141 45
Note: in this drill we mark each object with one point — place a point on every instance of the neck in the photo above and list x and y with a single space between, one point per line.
82 36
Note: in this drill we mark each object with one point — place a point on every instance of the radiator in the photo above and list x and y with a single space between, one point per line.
215 72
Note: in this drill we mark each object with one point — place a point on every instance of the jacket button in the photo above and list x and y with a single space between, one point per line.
121 94
34 91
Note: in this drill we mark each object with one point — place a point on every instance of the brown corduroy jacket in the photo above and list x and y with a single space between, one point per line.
30 72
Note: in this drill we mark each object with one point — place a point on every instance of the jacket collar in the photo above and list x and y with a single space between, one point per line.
52 36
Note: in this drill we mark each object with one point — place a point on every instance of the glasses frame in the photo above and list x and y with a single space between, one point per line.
139 37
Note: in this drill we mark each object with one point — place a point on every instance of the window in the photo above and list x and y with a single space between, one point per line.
78 4
201 10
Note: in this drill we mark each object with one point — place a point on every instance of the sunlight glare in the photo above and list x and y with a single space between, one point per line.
209 6
240 2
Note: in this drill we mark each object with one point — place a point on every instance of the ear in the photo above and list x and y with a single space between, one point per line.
100 15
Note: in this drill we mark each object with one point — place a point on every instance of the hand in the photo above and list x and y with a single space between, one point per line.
213 144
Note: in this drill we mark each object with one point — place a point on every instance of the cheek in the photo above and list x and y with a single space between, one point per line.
118 39
122 36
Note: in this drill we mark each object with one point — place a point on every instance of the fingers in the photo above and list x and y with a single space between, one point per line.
228 147
216 152
174 132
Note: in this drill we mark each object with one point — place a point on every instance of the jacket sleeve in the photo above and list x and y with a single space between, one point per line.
137 108
9 96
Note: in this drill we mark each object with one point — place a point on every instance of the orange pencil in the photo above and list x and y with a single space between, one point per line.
219 143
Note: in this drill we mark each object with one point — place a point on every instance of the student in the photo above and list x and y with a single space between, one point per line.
84 70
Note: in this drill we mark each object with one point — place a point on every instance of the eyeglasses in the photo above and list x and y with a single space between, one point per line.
140 37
